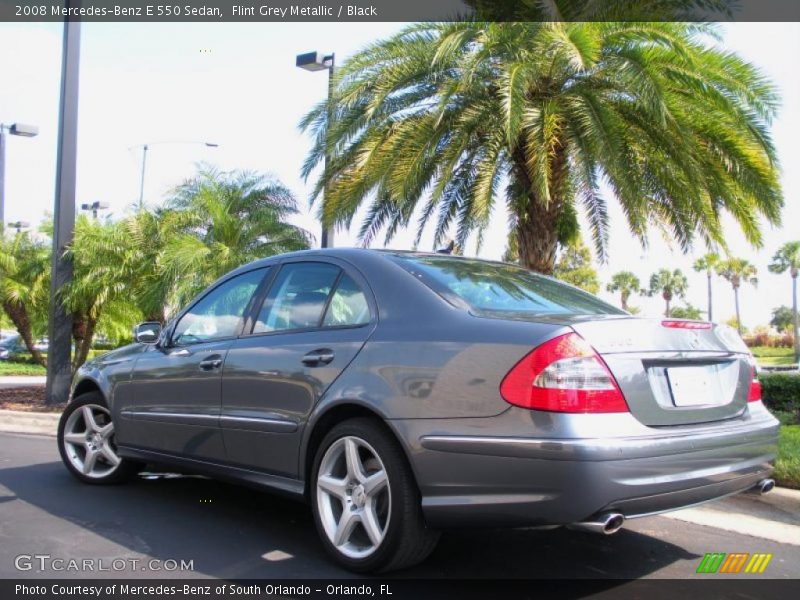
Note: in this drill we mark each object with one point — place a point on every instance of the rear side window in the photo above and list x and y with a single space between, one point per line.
348 305
498 289
297 298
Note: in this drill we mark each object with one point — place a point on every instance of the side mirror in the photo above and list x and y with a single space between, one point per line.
147 332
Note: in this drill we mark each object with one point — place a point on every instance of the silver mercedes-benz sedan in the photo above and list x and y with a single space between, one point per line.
400 393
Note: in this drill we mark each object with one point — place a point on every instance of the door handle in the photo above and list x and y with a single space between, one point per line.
210 363
315 358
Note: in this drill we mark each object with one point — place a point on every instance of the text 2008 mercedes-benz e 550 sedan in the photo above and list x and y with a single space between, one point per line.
401 393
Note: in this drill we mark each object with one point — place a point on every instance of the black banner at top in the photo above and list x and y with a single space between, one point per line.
143 11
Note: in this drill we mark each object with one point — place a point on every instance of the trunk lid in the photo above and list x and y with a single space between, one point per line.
672 375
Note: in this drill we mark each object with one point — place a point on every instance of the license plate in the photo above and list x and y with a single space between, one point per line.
693 386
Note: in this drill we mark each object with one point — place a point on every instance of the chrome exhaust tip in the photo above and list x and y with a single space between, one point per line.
764 486
606 524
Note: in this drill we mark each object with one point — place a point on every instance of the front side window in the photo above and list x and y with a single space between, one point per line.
219 314
297 298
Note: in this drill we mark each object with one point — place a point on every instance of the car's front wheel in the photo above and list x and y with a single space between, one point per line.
86 442
365 500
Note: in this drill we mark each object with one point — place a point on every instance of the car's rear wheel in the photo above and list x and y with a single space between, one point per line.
365 500
86 442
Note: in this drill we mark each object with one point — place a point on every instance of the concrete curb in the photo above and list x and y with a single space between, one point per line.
13 381
18 421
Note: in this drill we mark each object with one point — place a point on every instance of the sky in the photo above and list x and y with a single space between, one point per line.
236 85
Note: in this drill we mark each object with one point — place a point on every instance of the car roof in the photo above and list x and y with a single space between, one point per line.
354 254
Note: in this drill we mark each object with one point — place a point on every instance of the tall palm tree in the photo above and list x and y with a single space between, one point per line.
708 263
626 283
787 258
429 124
221 221
24 285
669 284
737 271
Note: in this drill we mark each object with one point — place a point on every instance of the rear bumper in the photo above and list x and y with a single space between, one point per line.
474 479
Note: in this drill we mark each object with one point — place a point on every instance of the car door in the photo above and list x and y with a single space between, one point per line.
313 321
176 385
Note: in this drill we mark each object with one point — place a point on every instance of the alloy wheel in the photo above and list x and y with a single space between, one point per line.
353 496
89 441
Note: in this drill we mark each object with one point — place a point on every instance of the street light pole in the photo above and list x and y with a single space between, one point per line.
327 232
15 129
146 147
2 174
20 225
141 183
59 368
314 61
95 207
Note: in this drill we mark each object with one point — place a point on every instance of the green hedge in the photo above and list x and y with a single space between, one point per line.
781 391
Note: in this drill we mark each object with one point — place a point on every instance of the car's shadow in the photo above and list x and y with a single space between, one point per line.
235 532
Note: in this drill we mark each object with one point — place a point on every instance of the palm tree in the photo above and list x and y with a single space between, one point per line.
448 112
101 289
736 271
221 221
708 263
24 285
787 258
669 284
626 283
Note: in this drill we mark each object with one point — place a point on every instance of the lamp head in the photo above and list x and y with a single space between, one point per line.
23 130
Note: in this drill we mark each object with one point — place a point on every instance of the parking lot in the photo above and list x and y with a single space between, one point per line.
226 531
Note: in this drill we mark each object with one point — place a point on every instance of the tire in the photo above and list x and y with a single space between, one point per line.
357 502
97 439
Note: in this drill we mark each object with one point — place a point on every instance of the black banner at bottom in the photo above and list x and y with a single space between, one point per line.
394 589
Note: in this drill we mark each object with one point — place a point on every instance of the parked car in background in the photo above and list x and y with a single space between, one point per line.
13 346
402 393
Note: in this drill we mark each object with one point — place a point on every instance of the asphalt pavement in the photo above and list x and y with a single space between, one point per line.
227 531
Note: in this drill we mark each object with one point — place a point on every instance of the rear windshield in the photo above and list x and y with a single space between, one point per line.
499 289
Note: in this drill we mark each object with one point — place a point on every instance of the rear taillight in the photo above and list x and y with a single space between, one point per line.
754 393
680 324
564 374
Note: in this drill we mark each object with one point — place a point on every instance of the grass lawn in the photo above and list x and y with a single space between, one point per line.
20 368
787 469
775 360
766 355
761 351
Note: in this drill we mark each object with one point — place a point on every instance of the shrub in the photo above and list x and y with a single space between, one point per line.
769 340
781 392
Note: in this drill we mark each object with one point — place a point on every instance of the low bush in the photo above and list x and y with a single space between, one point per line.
781 392
769 340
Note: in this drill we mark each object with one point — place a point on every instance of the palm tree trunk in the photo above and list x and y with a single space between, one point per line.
537 220
538 239
624 300
84 335
794 317
710 309
19 317
738 318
